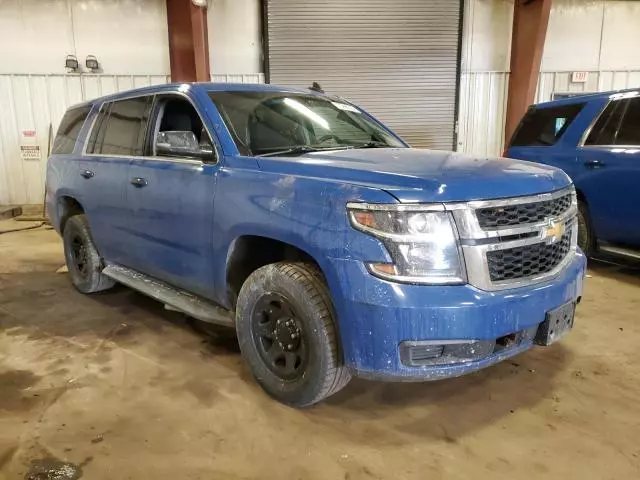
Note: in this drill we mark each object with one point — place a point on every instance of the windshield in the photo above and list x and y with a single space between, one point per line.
272 123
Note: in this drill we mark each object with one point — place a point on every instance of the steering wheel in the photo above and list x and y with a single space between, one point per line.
329 136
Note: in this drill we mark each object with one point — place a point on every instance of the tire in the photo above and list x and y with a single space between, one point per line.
82 257
586 237
287 334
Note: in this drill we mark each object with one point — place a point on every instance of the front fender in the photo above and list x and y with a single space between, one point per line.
307 213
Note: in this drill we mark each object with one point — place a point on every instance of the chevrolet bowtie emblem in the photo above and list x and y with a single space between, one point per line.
554 231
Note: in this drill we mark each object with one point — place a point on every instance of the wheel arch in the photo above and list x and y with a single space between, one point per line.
67 206
248 252
581 196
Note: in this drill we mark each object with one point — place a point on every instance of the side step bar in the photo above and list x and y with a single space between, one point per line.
625 252
179 300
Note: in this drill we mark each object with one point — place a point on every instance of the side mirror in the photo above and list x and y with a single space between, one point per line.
182 144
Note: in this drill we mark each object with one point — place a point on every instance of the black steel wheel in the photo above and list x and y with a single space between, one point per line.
279 336
287 333
83 261
80 255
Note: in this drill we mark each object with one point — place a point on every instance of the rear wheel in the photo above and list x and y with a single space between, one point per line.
287 333
83 261
586 237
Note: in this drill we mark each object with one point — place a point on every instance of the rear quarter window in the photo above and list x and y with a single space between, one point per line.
545 126
69 130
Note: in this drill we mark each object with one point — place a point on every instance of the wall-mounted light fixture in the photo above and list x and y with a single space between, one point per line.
92 63
71 63
199 3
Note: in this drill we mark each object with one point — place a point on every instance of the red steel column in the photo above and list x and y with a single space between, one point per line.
188 41
200 43
530 20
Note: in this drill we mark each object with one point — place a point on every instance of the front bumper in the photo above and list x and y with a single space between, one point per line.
377 316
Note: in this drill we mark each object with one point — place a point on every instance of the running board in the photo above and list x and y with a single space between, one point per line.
172 297
625 252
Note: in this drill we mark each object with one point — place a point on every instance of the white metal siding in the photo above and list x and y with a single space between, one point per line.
560 82
483 97
483 108
127 36
34 101
396 59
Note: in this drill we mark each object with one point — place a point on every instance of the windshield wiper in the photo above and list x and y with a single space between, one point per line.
295 150
372 144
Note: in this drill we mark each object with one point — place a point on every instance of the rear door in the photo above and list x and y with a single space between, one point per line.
116 138
171 199
609 171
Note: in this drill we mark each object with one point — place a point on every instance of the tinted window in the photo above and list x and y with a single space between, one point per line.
69 129
179 115
98 128
629 131
545 126
604 131
263 123
123 130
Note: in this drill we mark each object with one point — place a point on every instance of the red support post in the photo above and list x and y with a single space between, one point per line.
530 20
188 41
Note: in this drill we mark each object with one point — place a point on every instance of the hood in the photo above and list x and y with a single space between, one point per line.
416 175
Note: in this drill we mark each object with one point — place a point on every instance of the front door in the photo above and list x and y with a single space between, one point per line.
609 173
171 196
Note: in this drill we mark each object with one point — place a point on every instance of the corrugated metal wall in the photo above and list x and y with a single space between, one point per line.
483 102
560 82
483 107
399 60
33 102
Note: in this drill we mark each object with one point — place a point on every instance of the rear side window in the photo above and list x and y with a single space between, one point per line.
121 127
629 131
619 124
545 126
606 127
69 129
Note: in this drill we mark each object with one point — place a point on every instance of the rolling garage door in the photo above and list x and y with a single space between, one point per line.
397 59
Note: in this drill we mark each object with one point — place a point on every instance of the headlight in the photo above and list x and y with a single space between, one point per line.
422 244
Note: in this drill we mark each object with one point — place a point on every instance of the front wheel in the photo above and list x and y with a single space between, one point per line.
287 333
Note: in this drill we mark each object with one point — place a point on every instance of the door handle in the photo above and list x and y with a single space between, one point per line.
593 164
87 174
139 182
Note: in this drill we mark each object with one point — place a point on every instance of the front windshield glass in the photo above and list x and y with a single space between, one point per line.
273 123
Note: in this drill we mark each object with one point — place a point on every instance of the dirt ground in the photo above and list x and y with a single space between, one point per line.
112 386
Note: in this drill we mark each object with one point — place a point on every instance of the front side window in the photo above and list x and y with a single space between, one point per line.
270 123
179 131
545 126
122 128
69 129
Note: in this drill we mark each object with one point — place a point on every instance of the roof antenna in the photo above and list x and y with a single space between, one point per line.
315 86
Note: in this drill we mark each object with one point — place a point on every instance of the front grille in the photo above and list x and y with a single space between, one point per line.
522 214
527 261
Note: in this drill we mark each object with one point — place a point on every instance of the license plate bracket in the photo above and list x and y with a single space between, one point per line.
558 322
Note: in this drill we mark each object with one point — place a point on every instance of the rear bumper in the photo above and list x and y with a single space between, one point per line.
376 317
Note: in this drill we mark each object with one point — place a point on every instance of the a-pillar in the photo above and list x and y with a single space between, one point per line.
530 20
188 41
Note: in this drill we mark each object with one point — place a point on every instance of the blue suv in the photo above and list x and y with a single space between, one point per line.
329 245
596 140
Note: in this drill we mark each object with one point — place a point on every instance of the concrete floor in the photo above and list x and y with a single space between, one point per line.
121 389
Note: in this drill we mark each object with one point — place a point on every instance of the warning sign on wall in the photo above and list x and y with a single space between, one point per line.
30 152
